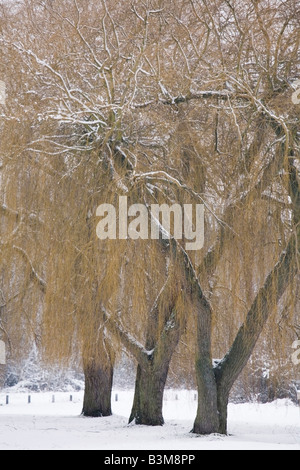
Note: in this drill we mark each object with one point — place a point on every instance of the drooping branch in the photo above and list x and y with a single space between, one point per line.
35 276
214 254
6 210
228 370
139 352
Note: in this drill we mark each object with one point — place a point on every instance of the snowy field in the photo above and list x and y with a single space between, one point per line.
44 425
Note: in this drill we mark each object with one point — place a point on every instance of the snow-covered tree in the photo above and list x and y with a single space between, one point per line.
164 102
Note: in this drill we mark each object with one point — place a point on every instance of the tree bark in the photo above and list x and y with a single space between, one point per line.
153 371
207 419
222 400
98 388
149 392
163 333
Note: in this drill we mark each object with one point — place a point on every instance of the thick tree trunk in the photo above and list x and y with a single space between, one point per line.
213 402
98 389
153 371
207 419
148 398
164 330
234 362
223 400
215 384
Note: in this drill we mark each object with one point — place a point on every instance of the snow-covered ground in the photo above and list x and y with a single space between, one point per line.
45 425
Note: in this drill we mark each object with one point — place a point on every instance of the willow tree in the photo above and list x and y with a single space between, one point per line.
168 102
21 198
242 126
92 146
261 146
86 143
42 172
250 138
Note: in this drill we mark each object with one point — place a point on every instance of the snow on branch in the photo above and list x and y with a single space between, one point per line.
200 95
167 178
135 347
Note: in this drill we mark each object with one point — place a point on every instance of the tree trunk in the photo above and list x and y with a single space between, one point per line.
214 384
223 400
98 389
164 330
148 398
213 402
153 371
207 419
